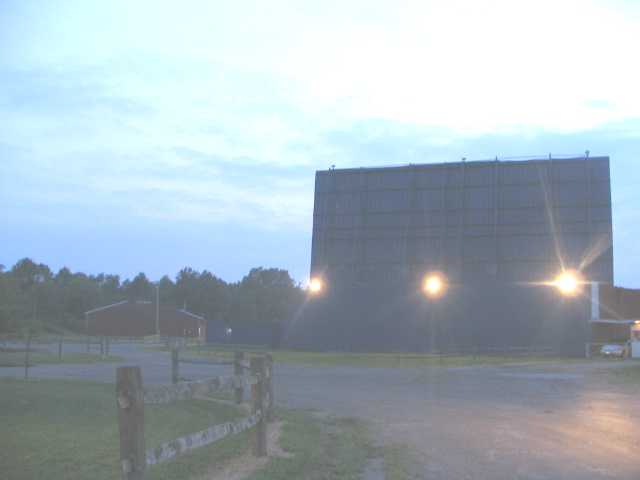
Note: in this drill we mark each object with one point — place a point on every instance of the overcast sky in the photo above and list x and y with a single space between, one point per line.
148 135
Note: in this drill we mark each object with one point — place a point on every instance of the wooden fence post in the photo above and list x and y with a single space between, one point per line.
174 365
27 354
102 347
238 371
258 404
270 399
107 346
130 399
60 347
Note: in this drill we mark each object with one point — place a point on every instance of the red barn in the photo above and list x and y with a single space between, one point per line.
139 319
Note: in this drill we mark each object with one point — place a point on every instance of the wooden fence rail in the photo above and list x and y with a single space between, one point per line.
172 449
238 391
165 394
206 361
214 361
258 368
131 397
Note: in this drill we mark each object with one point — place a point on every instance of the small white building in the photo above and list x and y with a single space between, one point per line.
608 305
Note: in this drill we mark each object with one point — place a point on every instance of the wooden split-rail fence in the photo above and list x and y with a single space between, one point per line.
132 396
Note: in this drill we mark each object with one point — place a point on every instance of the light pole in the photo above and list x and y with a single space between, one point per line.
158 309
569 283
37 280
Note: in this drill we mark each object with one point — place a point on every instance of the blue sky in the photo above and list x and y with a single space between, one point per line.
150 135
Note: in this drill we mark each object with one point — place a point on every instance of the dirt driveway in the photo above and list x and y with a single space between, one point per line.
516 422
489 423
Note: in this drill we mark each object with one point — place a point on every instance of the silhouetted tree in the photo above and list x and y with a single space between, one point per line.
140 288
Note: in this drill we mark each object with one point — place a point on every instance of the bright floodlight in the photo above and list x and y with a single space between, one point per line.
567 283
315 285
433 285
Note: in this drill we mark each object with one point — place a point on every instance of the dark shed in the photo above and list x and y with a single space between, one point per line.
243 334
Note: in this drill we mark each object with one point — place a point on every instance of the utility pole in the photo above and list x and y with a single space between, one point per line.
158 309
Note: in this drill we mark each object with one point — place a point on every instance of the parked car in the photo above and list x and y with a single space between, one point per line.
612 350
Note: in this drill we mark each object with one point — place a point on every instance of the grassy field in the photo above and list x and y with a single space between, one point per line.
67 430
389 360
16 359
398 463
398 360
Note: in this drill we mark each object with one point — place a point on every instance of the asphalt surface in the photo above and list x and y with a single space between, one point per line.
534 422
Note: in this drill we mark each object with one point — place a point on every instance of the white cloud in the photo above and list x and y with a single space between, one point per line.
290 72
473 67
479 66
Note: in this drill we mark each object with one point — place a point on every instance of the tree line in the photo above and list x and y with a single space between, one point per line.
33 296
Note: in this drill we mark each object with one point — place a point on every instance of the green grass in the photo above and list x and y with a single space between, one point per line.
60 429
333 449
16 359
387 360
398 360
398 463
323 449
68 430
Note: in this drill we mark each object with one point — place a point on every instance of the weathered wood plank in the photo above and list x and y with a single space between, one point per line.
205 361
181 445
269 387
238 392
129 398
175 365
258 369
27 352
163 394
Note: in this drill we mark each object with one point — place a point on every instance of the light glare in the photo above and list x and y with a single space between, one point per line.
315 285
567 283
433 285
